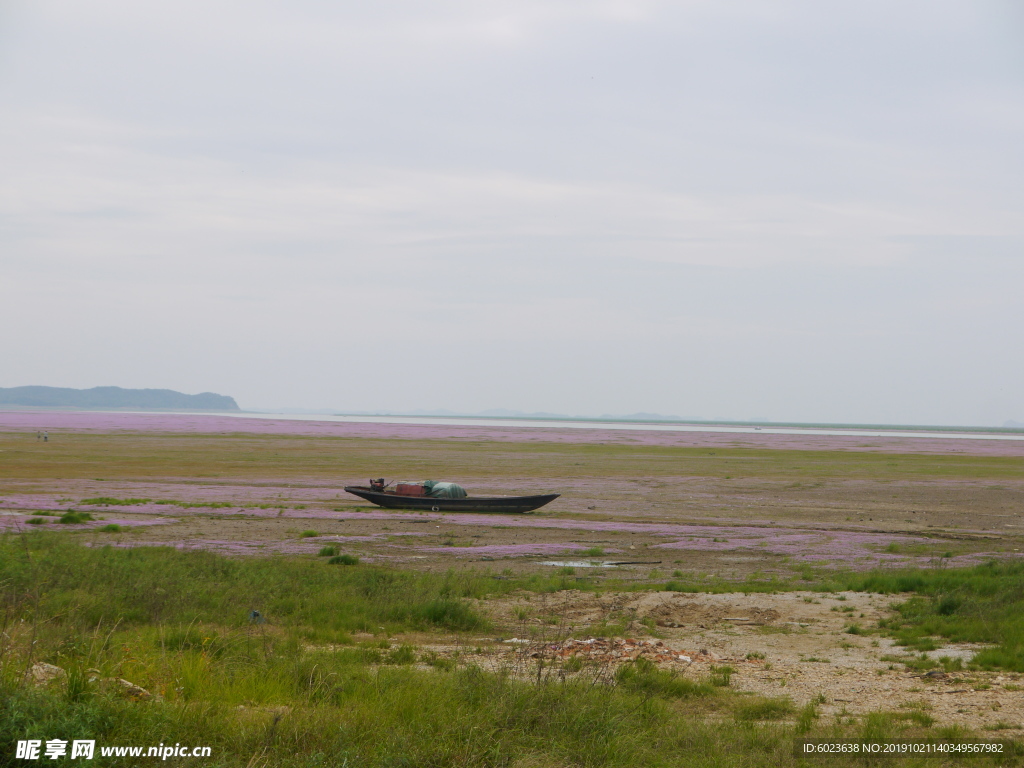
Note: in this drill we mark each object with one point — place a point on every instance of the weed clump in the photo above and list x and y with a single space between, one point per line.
403 654
806 717
327 552
73 517
643 676
341 559
721 676
447 613
768 709
194 639
308 534
434 659
112 528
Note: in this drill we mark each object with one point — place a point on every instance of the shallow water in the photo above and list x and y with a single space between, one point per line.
465 421
578 564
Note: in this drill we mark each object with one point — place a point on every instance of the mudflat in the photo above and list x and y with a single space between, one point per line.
717 510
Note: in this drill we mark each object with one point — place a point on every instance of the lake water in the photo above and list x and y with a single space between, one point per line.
467 421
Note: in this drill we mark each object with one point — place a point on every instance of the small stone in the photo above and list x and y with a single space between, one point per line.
43 673
131 690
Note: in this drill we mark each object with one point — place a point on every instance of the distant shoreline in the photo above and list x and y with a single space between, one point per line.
721 438
756 425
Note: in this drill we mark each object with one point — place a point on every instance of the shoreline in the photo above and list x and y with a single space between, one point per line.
467 430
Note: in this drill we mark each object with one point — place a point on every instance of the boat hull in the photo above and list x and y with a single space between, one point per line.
505 504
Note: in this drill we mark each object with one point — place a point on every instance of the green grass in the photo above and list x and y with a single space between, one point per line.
296 691
72 517
721 676
89 586
983 604
343 559
766 709
343 713
113 528
642 676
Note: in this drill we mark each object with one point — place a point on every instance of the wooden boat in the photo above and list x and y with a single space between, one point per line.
507 504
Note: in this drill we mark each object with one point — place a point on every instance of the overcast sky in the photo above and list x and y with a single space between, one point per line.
789 210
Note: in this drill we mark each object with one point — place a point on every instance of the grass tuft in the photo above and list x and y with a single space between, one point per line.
73 517
341 559
767 709
642 676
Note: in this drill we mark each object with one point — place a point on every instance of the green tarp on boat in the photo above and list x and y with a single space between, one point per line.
439 490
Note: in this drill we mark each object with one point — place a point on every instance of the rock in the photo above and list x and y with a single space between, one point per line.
43 673
131 690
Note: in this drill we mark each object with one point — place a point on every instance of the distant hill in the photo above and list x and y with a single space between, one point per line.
115 397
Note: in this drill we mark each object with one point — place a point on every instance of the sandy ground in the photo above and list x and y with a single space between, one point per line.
791 644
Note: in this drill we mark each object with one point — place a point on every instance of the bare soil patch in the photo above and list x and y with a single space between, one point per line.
790 644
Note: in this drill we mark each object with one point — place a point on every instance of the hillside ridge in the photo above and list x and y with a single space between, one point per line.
115 397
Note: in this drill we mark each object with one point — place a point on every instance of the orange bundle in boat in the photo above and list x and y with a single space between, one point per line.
410 489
